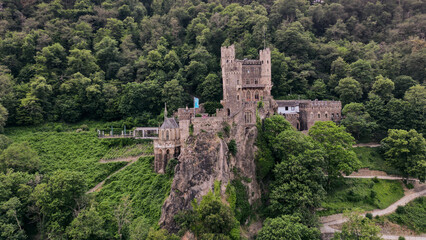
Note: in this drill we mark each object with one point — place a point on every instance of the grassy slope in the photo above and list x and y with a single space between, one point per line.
146 189
357 193
372 159
67 150
412 215
129 151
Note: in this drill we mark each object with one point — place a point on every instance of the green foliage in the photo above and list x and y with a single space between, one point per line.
357 121
170 168
287 227
67 150
357 193
242 208
161 234
87 225
232 146
147 191
358 227
211 107
57 198
412 215
210 218
406 152
337 144
371 157
349 90
3 117
20 157
129 151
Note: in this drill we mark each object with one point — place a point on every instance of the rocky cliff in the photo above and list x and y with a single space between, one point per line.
205 159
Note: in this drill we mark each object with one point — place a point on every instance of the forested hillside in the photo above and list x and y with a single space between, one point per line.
72 60
68 63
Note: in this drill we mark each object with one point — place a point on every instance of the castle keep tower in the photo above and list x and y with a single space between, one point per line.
245 82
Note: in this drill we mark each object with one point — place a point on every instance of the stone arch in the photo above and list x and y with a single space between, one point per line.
319 115
229 112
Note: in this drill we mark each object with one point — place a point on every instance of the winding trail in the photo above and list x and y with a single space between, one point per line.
328 222
130 161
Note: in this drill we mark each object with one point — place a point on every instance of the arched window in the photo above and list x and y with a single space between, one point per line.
247 117
256 95
319 115
248 96
326 115
229 112
238 97
167 135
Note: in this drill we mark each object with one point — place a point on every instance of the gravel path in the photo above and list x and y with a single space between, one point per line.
367 145
130 161
410 195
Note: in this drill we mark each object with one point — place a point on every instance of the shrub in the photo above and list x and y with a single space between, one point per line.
84 127
170 168
409 185
375 180
232 146
197 115
59 128
400 210
369 216
220 135
401 238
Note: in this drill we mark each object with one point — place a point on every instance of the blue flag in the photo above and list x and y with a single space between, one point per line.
196 102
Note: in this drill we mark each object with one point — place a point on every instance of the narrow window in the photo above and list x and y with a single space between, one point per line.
238 97
167 135
256 96
238 82
286 108
326 115
319 115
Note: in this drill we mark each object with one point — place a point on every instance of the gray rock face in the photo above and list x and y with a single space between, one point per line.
204 160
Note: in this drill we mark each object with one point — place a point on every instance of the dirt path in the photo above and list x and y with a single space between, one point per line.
130 161
123 159
372 144
337 219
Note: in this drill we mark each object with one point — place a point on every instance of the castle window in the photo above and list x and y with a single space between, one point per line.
227 61
332 115
248 96
238 97
255 81
238 82
229 112
319 115
326 115
167 135
337 115
286 108
247 81
247 117
256 96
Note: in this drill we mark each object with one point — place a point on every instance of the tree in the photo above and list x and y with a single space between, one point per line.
298 185
210 218
87 225
337 143
287 227
57 199
30 111
406 151
106 51
358 227
173 95
138 98
4 142
383 87
416 96
357 120
3 117
82 61
139 228
362 71
349 90
319 90
402 84
210 89
123 214
20 157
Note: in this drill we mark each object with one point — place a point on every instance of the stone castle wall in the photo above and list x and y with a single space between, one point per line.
314 111
207 124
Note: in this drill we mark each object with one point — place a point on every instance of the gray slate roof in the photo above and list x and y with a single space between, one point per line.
169 123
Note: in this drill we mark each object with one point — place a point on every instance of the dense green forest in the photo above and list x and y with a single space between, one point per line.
72 60
118 62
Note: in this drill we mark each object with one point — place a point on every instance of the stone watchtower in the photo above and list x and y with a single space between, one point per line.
244 81
167 146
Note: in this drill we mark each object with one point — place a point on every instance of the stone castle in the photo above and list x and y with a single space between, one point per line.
246 91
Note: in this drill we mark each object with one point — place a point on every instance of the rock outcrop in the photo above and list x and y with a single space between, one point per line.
204 160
